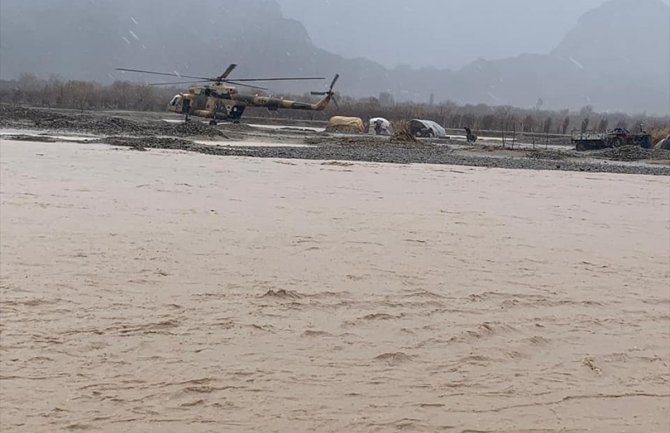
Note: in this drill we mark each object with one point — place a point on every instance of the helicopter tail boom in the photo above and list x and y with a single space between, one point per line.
274 104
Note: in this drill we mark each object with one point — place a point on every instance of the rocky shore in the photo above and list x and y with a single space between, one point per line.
142 133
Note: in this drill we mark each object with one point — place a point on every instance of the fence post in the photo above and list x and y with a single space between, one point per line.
504 126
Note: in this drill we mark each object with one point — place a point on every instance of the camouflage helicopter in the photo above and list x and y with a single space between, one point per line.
220 99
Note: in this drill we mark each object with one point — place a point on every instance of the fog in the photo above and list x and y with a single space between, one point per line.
613 55
460 30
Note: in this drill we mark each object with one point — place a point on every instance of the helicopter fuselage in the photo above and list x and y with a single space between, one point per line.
223 102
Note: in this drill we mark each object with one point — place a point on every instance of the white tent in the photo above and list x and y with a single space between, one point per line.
385 127
426 128
663 144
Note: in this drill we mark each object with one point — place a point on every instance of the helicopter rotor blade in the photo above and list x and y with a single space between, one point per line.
165 74
226 73
178 83
280 79
332 85
235 83
330 91
207 81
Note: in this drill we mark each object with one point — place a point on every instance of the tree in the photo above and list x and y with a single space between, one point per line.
386 99
565 125
529 124
602 126
488 122
586 111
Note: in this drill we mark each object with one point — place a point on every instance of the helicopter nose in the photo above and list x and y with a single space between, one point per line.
174 104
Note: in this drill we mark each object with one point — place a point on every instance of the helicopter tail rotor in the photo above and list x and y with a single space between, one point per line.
332 85
330 91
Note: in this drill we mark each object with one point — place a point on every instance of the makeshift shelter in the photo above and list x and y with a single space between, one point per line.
426 128
380 126
663 144
349 125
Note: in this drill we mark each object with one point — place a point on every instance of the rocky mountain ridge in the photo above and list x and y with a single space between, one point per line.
616 57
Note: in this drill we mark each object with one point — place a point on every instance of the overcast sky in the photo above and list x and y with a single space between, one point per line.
388 31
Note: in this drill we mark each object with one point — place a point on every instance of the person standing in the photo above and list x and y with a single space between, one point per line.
378 127
186 108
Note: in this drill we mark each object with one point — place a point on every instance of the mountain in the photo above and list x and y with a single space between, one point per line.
615 58
87 39
458 32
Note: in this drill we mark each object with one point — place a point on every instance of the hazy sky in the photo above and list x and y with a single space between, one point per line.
389 31
612 54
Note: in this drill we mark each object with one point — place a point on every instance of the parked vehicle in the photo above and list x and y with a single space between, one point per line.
615 138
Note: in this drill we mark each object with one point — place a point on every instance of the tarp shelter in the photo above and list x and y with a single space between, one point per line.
663 144
345 124
426 128
380 126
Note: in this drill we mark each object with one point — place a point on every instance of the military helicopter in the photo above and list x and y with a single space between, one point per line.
220 100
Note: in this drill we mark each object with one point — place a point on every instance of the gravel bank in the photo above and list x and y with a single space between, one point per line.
144 133
397 154
95 123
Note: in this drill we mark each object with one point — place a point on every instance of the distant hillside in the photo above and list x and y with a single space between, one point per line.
88 39
600 63
439 33
616 58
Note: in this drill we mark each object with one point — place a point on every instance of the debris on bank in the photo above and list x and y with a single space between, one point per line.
627 153
402 134
553 155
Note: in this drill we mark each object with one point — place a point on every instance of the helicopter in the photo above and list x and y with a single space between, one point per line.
218 98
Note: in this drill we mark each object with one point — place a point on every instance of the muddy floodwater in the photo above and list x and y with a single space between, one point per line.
166 291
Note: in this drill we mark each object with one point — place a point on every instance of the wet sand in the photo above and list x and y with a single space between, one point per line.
168 291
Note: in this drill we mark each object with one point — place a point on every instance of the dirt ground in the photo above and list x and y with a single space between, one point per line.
171 291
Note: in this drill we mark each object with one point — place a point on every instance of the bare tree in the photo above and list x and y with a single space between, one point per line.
565 125
602 126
